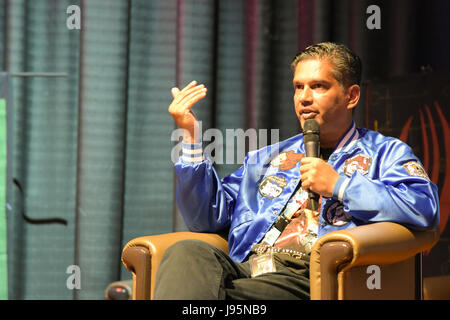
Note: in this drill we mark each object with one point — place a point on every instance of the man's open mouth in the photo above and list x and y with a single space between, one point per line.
308 113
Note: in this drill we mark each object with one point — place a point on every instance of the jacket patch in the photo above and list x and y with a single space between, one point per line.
360 163
336 215
286 160
415 169
272 186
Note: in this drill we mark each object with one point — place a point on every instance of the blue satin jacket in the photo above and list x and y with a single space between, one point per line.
381 180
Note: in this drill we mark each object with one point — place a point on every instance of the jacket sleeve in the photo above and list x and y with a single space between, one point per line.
393 194
205 201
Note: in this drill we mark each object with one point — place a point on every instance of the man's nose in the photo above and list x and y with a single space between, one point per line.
306 96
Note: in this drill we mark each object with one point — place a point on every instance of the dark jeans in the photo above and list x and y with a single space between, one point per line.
195 270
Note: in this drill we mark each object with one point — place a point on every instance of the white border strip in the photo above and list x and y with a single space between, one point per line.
346 138
342 189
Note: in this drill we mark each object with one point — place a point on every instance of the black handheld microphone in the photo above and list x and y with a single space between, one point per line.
311 139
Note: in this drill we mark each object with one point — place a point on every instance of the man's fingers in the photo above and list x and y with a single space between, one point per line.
305 167
183 96
188 104
306 185
308 160
175 92
190 85
193 99
180 108
184 100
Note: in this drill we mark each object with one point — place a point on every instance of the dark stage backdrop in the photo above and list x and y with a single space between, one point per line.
416 109
90 146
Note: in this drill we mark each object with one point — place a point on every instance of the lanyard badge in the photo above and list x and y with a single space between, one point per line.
262 264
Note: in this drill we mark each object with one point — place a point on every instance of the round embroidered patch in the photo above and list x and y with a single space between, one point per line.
272 186
360 163
415 169
336 215
286 160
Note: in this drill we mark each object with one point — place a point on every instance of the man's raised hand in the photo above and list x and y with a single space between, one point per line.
180 109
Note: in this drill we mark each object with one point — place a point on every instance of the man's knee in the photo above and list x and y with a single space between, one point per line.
189 248
188 270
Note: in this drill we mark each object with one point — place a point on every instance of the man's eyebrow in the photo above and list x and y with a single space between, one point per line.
296 81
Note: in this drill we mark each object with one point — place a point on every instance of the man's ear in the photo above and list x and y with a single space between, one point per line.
354 93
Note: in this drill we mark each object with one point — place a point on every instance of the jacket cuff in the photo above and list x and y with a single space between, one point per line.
339 188
192 152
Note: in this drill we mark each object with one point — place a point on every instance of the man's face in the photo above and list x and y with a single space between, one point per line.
318 95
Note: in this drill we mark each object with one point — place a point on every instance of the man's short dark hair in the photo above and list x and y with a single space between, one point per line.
347 65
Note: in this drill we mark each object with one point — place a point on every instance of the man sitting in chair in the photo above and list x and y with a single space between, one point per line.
361 177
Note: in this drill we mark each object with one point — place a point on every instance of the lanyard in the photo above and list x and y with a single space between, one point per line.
298 198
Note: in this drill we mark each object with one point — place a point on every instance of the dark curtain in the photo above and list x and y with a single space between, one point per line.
91 136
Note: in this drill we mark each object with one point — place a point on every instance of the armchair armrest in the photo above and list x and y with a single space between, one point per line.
141 256
379 243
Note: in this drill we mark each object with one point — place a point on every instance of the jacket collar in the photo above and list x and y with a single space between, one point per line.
348 140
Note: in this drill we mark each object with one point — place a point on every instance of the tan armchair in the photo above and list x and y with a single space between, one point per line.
339 267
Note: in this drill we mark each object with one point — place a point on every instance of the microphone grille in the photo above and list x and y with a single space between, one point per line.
311 126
